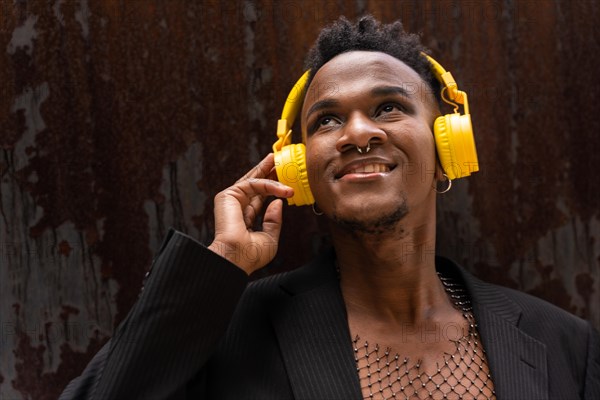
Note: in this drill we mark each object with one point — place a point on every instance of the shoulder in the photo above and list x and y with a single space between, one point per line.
572 345
274 295
303 279
538 311
537 318
265 290
567 338
523 309
529 326
538 315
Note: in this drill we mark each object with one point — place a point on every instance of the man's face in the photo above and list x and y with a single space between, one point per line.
365 97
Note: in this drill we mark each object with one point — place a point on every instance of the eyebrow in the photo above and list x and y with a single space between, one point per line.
320 105
388 90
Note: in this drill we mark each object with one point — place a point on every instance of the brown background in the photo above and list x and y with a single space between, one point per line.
121 118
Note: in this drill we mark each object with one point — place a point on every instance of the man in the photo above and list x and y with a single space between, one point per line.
377 317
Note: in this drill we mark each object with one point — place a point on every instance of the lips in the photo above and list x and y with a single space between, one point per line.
365 167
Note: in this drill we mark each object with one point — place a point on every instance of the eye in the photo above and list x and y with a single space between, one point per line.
326 121
323 123
389 108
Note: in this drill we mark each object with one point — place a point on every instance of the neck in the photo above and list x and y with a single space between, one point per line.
391 276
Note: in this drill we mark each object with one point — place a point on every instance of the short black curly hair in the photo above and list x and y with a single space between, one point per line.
368 34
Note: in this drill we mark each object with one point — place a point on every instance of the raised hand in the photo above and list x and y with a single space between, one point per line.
236 210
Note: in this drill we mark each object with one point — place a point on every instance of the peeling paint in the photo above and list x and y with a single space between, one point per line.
255 108
82 15
23 37
30 103
57 11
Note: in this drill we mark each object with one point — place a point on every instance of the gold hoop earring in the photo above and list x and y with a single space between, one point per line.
315 210
447 189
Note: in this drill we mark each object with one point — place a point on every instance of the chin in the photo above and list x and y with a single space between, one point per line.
370 218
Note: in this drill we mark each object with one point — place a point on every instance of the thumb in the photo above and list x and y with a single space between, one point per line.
272 219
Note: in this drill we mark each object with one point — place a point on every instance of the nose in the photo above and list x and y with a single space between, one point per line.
359 130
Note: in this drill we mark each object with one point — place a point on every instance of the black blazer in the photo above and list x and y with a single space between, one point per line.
197 332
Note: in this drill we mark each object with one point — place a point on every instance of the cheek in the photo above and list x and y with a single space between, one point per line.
427 149
319 165
428 158
418 144
314 164
423 139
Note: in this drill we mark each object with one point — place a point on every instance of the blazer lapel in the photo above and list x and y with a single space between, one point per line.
313 334
517 361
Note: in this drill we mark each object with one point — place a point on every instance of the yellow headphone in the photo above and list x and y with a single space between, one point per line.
290 159
453 134
454 141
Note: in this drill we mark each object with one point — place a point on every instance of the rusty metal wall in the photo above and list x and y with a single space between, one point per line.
120 118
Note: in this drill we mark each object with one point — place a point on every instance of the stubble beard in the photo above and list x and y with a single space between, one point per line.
385 223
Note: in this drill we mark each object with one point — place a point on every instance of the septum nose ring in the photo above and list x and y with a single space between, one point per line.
364 150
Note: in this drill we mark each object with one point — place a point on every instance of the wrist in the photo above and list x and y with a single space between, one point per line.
231 253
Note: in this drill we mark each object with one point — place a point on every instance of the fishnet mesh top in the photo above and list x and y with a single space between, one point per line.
463 374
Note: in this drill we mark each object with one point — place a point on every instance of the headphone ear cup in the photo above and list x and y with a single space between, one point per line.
290 165
455 145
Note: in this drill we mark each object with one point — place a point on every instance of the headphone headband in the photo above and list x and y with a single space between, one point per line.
450 88
292 106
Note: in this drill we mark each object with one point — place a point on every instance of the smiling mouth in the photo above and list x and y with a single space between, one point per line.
365 169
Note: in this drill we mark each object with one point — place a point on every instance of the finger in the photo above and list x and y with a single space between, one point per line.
272 220
262 170
273 174
231 205
248 189
252 210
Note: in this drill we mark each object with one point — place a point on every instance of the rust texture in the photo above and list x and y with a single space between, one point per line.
119 119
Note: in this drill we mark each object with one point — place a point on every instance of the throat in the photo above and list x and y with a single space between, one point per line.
393 299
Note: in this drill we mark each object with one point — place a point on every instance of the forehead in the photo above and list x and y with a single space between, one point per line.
360 70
